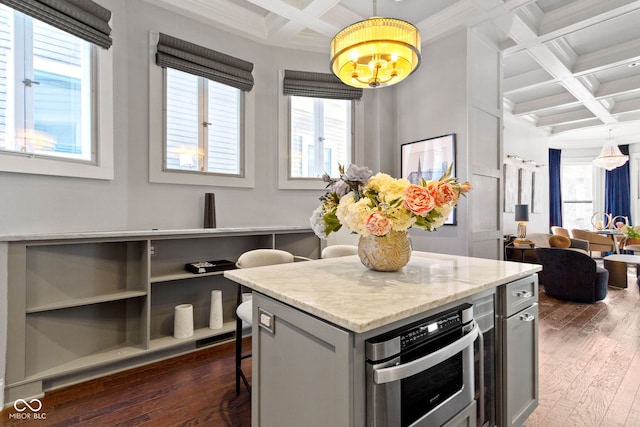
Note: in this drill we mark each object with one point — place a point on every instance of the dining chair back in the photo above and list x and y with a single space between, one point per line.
334 251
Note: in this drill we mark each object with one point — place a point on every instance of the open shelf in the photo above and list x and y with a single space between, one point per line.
116 296
198 334
183 276
89 304
89 361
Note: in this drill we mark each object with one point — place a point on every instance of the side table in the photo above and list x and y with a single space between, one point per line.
616 265
519 254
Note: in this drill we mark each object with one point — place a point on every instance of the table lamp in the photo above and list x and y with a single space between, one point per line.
522 216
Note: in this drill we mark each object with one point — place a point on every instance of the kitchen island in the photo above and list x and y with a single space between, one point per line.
309 353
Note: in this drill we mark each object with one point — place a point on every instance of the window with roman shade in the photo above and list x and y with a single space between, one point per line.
321 123
82 18
204 107
52 71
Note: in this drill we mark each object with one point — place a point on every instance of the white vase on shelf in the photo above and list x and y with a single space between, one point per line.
215 316
183 321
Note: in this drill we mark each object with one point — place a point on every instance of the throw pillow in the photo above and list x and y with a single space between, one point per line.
557 241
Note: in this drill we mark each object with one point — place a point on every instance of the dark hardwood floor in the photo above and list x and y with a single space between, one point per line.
197 389
589 376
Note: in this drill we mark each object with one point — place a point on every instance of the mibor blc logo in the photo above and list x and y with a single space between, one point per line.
28 410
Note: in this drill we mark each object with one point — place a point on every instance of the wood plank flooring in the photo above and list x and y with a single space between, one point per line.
589 376
197 389
590 361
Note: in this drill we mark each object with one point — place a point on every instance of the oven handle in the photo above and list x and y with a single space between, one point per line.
399 372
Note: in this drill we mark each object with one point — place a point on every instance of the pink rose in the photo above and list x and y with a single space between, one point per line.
465 187
442 192
378 224
418 200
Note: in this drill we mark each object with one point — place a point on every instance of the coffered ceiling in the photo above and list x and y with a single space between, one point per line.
571 67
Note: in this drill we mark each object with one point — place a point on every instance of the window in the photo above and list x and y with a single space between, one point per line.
203 125
577 195
201 115
320 135
46 107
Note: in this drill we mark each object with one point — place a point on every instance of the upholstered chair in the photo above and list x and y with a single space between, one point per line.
571 275
559 231
244 311
631 245
339 250
597 242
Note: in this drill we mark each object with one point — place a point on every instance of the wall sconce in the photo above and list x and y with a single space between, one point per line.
519 161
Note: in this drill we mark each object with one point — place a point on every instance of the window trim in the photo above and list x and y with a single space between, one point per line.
157 171
103 143
285 181
597 180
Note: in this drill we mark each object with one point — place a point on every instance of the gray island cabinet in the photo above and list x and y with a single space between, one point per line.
312 321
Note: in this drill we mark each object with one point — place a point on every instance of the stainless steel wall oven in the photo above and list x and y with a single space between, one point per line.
422 374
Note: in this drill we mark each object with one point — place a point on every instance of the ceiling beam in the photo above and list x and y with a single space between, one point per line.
613 56
619 87
313 12
540 104
529 79
292 13
628 106
556 61
564 118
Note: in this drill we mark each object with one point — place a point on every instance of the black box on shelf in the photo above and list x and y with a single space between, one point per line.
209 266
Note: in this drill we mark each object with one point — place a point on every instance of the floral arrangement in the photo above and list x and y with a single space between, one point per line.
369 204
630 231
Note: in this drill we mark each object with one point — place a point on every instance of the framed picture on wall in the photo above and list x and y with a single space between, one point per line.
510 187
538 192
525 190
429 159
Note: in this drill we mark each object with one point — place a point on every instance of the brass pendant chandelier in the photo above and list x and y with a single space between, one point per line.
375 52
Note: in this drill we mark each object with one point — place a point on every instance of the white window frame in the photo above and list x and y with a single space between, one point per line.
157 171
598 178
285 181
103 167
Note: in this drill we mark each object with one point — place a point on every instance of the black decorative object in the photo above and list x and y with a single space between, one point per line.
210 266
209 210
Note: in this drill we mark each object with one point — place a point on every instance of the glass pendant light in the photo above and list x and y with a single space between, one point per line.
610 156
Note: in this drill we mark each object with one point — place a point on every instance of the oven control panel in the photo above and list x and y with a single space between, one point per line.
429 329
392 343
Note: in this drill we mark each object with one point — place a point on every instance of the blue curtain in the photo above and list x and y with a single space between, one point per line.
555 192
617 194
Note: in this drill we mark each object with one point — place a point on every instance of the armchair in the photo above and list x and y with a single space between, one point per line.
559 231
571 275
597 242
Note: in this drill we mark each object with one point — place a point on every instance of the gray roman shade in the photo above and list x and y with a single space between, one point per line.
82 18
203 62
318 85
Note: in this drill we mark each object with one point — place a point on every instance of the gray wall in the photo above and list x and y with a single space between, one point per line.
433 102
44 204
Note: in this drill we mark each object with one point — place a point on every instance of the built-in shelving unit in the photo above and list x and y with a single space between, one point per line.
85 305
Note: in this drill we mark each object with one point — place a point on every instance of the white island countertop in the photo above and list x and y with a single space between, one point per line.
346 293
